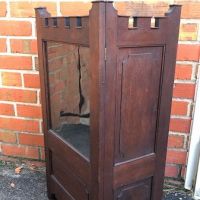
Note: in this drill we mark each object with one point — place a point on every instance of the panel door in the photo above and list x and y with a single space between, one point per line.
139 83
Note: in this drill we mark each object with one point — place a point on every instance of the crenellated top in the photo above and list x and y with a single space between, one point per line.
150 30
67 22
64 29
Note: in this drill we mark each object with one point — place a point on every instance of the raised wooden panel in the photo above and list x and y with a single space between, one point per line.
139 76
70 181
138 191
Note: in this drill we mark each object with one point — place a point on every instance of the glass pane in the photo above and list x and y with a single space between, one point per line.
68 76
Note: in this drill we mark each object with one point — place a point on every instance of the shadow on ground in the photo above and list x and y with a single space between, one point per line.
30 184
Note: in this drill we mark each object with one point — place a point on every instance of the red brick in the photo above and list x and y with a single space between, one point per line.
28 139
23 46
179 108
180 125
175 141
15 62
171 171
6 109
8 137
2 43
29 111
11 79
20 151
188 52
190 9
26 9
189 27
188 32
184 90
183 72
19 125
75 8
3 9
139 8
18 95
31 80
15 28
176 157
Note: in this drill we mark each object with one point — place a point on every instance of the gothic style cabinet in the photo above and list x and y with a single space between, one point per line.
106 98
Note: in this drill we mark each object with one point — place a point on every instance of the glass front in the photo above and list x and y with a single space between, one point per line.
68 78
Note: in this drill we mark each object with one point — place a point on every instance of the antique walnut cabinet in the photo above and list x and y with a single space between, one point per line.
106 83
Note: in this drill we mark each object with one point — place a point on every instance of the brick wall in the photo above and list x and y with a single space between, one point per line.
184 88
20 111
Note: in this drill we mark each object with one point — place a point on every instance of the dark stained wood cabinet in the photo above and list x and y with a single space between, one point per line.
106 97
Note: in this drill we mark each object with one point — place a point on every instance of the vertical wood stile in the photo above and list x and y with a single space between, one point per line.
97 68
172 30
110 98
42 13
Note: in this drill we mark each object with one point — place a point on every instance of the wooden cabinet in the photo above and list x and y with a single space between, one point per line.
106 97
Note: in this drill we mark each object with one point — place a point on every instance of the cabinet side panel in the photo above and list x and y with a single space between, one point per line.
140 80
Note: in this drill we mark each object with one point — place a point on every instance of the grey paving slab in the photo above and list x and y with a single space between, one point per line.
28 185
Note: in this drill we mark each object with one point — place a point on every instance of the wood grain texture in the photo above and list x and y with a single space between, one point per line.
138 117
134 170
130 92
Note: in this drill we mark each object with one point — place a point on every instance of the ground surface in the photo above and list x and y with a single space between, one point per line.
29 184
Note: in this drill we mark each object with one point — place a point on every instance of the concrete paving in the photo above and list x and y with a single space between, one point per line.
177 196
30 184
